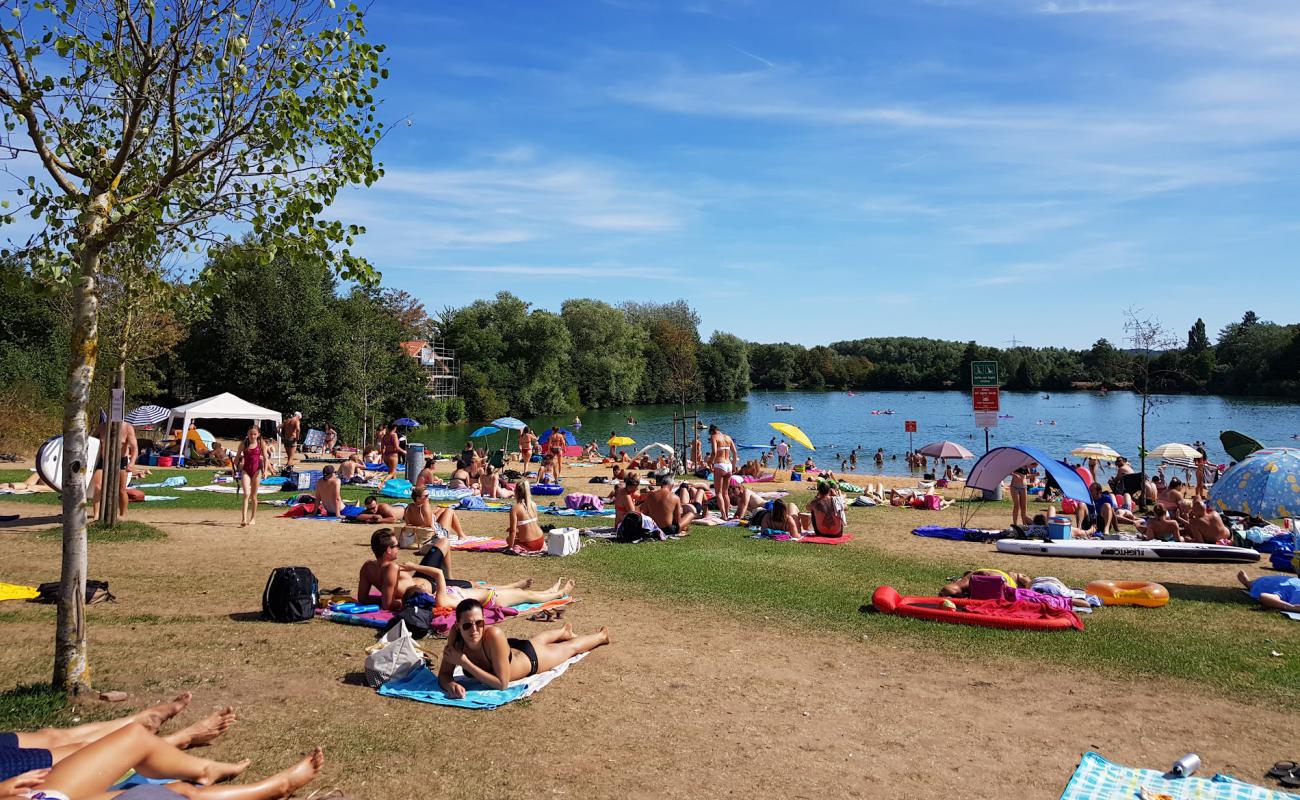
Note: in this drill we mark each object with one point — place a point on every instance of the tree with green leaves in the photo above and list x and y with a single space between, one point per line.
1148 338
607 353
156 127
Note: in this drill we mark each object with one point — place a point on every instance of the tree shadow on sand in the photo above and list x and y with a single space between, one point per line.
27 522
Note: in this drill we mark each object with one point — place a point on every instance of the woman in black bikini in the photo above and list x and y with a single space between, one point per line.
486 655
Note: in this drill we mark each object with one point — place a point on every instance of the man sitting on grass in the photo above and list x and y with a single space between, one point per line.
1205 525
664 507
329 493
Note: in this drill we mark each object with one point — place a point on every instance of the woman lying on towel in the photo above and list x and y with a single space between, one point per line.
782 518
486 655
522 530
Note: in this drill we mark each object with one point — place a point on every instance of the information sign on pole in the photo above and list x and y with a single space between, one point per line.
983 373
909 426
986 419
985 398
117 406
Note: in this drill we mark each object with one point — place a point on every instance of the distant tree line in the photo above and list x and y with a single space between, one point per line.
286 334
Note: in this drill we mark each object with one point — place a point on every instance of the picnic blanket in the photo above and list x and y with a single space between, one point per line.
14 591
422 686
1099 779
956 534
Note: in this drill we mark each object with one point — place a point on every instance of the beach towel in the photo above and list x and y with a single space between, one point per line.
422 686
153 498
277 480
713 520
574 512
226 489
397 487
1099 779
14 591
175 480
848 537
479 543
956 534
441 625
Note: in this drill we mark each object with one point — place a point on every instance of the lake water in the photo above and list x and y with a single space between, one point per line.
837 422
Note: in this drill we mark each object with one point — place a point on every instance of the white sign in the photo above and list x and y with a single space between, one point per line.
117 406
986 419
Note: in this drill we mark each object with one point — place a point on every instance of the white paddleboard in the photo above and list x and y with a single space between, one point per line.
49 461
1129 551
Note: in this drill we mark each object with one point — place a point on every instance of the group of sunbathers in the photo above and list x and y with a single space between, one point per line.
89 760
483 652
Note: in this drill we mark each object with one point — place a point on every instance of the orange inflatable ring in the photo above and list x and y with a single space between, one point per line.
1129 593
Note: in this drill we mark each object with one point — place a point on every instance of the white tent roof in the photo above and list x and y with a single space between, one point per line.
222 406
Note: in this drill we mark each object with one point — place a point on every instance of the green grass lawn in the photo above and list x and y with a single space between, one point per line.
1208 635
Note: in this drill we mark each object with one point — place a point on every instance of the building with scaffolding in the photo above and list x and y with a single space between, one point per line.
440 363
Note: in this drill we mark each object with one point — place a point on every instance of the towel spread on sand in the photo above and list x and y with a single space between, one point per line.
848 537
14 591
1099 779
227 489
422 686
479 543
175 480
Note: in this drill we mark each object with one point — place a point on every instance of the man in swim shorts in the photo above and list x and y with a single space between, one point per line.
664 507
289 433
329 493
378 513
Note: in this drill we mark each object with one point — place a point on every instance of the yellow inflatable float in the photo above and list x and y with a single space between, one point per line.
1129 593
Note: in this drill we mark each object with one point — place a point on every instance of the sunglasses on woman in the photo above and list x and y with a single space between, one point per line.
472 624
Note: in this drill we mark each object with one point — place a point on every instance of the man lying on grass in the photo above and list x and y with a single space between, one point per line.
393 580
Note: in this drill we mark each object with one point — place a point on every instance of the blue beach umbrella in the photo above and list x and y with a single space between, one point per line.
509 423
564 433
1265 485
406 422
486 430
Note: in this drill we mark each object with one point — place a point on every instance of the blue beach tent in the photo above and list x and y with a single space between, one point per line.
1000 462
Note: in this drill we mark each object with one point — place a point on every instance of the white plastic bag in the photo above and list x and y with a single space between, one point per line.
393 656
563 542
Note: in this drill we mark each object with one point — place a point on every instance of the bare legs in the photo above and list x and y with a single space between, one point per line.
95 767
152 718
506 596
557 646
248 483
1019 512
721 488
446 517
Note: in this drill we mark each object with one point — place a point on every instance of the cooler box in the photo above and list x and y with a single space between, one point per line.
1060 528
414 460
307 480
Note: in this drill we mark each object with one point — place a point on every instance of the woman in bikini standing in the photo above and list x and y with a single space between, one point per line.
721 461
527 441
1019 497
555 443
252 461
487 656
523 531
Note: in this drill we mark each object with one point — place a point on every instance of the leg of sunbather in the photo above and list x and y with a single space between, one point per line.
151 718
553 650
507 596
446 517
281 785
98 765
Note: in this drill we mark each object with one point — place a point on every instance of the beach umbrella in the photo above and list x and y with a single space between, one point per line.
148 415
621 441
207 438
564 433
1238 446
1096 450
406 422
509 423
1083 473
667 448
1265 485
1175 450
794 433
945 450
486 430
1179 462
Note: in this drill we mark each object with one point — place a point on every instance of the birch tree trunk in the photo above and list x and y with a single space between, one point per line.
71 664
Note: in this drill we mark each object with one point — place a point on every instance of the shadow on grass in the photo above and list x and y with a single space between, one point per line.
98 533
248 616
354 679
1208 594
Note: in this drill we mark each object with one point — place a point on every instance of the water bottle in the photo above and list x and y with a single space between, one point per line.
1185 766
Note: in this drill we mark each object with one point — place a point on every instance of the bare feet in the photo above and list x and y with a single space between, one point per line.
153 717
604 634
300 774
567 588
216 771
203 731
567 632
1241 576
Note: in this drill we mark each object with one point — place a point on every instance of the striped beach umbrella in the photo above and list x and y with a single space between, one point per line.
148 415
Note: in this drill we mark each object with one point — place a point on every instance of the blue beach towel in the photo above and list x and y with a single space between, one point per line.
156 497
173 481
574 512
422 686
276 480
955 534
397 487
1099 779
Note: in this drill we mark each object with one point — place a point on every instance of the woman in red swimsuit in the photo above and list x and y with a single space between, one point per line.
251 462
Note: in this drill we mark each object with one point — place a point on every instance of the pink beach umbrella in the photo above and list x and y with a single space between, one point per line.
946 450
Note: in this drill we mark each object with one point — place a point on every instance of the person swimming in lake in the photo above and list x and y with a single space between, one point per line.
486 655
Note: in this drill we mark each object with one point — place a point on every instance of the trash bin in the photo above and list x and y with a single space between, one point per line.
414 460
993 494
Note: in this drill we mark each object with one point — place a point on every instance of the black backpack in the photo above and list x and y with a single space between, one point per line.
290 595
96 592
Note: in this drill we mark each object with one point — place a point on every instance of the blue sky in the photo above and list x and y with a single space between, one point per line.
822 171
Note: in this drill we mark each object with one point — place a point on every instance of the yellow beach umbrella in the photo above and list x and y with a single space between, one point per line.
794 433
620 441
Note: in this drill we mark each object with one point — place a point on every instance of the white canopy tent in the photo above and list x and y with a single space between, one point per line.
222 406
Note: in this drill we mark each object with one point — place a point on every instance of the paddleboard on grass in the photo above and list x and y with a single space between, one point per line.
1130 551
49 461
